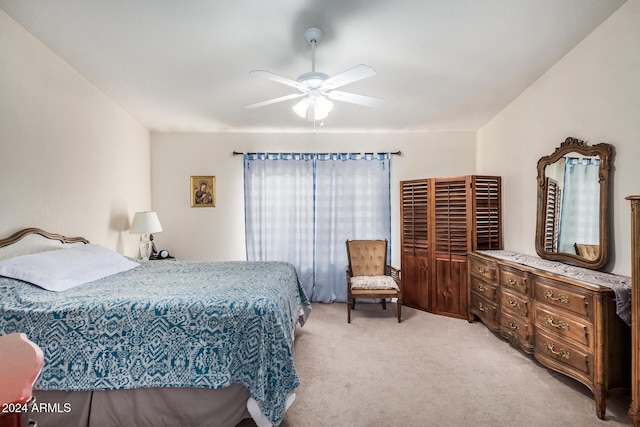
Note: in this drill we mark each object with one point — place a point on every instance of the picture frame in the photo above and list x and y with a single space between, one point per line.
203 191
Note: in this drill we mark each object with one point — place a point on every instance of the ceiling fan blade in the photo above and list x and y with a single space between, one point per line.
276 78
274 100
353 98
354 74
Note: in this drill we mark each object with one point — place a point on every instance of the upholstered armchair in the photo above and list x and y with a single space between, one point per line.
590 252
370 277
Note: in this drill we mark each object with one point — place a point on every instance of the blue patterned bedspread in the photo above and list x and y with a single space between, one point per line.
167 324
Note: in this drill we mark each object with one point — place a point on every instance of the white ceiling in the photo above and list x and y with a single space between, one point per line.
183 65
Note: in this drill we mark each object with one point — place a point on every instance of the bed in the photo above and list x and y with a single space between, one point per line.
162 343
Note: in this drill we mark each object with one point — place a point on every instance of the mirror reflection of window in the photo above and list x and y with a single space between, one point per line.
579 220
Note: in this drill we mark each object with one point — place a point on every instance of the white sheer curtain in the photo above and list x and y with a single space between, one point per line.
352 202
302 209
279 211
579 222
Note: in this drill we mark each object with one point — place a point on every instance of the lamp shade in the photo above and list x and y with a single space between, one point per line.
301 107
145 223
322 107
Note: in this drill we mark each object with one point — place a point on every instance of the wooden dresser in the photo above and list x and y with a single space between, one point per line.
634 410
565 316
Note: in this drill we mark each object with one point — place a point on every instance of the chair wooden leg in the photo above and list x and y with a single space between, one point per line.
353 306
384 303
399 304
349 311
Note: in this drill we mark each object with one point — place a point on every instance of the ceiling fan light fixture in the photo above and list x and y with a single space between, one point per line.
301 107
322 107
313 107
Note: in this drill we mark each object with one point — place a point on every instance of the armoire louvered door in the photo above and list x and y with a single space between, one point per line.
414 212
462 214
487 227
452 240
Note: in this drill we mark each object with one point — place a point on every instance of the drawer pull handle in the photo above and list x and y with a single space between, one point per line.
559 325
513 325
482 270
482 288
513 282
562 298
513 302
482 307
562 353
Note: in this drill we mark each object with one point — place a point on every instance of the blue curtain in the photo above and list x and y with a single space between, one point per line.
579 220
301 208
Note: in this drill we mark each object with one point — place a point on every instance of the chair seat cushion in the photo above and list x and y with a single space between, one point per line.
373 282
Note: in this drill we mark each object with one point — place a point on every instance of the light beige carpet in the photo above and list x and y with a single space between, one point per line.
427 371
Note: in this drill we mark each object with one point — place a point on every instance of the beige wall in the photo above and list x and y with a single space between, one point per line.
72 162
218 233
593 94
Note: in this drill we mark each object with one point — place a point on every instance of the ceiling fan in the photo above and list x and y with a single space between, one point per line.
318 88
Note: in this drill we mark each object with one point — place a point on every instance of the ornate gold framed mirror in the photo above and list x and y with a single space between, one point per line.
572 223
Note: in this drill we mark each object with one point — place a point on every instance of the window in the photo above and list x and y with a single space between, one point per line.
301 208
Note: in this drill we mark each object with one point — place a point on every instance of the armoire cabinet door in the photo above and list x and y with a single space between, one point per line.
486 212
415 243
415 276
451 241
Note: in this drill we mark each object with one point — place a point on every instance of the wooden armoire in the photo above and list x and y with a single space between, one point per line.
442 220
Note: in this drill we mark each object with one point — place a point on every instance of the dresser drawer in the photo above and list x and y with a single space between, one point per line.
516 325
515 302
487 311
487 290
574 300
515 280
563 325
574 358
482 268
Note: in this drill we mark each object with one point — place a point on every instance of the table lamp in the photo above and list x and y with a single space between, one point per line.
145 223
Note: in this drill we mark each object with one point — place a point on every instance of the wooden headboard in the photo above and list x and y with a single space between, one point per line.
47 241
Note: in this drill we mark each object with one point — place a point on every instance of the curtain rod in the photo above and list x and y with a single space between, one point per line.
394 153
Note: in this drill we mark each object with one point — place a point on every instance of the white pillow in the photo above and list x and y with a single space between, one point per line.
59 270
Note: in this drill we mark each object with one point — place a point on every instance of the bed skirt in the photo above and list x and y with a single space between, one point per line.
157 407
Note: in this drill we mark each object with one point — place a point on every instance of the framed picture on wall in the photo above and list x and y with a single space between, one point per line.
203 191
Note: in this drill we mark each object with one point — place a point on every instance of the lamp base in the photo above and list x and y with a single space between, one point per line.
145 247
